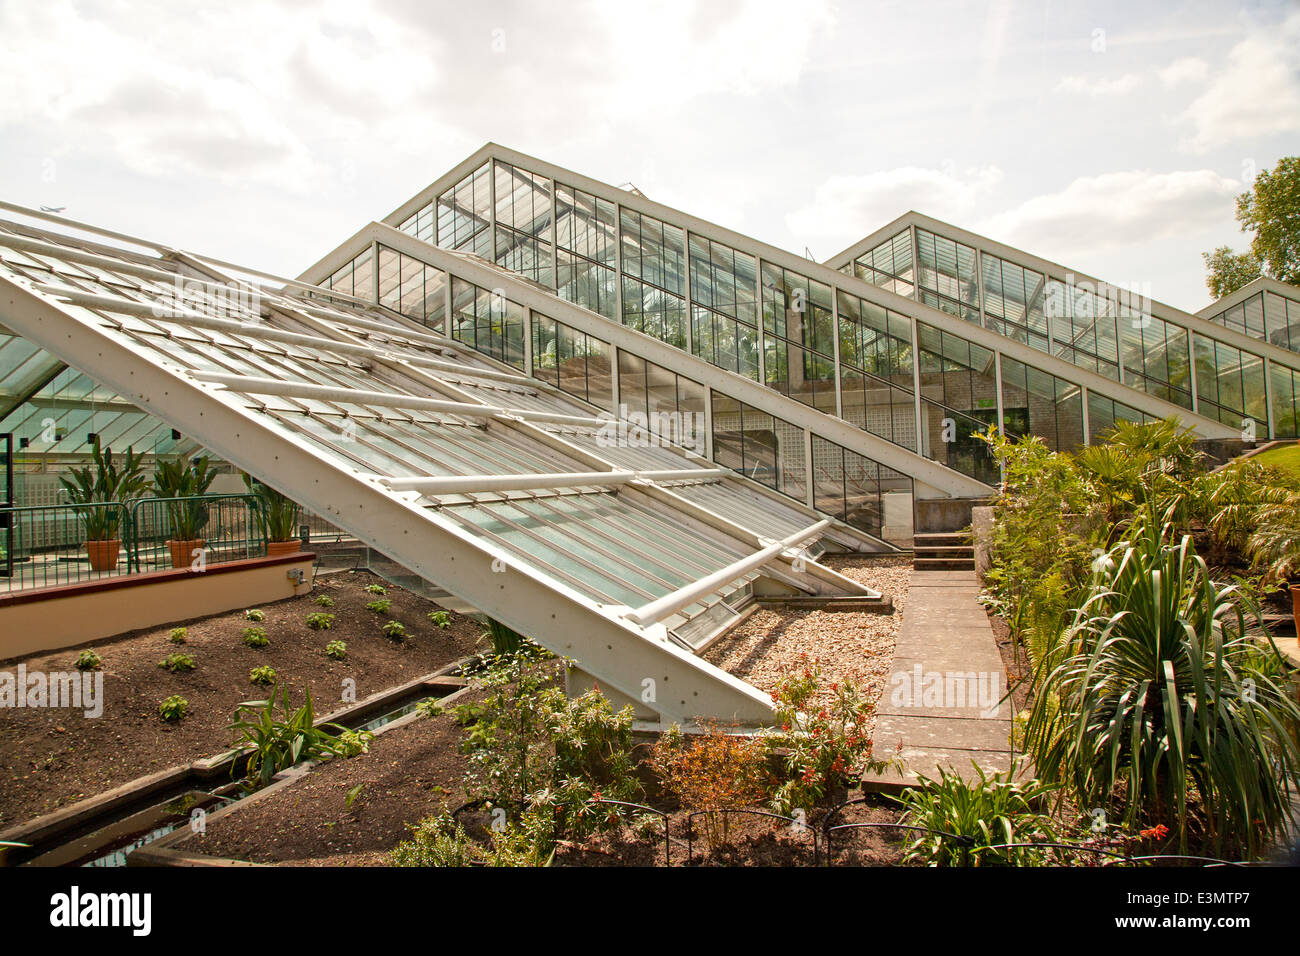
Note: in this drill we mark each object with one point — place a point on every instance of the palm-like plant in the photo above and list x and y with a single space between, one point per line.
176 479
1276 541
1160 702
277 514
103 483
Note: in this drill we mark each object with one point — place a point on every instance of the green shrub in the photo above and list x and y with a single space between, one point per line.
441 841
440 619
256 615
324 600
986 813
375 589
320 621
177 663
394 629
379 607
504 640
88 661
178 635
278 737
1160 709
263 674
353 743
255 637
174 708
337 650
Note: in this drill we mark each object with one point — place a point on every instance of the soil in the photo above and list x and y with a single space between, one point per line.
415 770
50 758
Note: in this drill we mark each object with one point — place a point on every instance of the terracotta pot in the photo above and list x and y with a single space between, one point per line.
1295 608
103 554
278 549
182 552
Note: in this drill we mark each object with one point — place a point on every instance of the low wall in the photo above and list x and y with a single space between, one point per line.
981 527
46 619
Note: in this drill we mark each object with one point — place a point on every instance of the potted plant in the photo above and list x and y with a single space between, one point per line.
98 491
278 517
182 485
1276 544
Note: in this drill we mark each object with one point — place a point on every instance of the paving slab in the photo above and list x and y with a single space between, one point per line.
930 713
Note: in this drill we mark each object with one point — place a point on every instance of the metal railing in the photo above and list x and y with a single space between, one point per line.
53 545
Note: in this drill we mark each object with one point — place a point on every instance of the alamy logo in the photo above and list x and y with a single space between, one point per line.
74 909
642 430
80 690
921 689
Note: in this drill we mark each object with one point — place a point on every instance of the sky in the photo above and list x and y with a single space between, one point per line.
1112 137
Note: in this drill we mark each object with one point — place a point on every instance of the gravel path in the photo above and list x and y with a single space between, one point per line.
768 645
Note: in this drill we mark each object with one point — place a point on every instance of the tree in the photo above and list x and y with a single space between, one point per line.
1228 271
1271 210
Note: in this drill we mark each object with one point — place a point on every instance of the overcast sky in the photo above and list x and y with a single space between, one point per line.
1112 137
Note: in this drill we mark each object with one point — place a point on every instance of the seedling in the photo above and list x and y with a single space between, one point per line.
178 635
395 629
263 675
320 621
337 650
174 708
440 619
255 637
324 600
376 589
177 663
256 615
379 607
88 661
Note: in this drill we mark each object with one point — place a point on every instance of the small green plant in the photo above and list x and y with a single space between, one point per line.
279 737
178 635
176 663
394 629
353 743
255 637
440 619
352 795
256 615
263 675
379 607
320 621
337 650
430 708
376 589
985 813
88 661
174 708
504 640
324 600
277 515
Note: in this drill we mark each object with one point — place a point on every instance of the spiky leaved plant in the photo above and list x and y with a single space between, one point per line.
1160 707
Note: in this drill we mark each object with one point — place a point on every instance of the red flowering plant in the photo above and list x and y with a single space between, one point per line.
825 743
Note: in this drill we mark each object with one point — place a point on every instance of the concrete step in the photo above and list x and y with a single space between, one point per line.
943 564
942 538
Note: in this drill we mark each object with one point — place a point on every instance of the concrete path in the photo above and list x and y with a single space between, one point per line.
942 702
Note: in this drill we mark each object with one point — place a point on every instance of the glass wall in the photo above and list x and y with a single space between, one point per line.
724 322
759 446
947 275
854 488
888 265
572 361
799 337
586 237
1084 330
464 215
1014 301
654 277
411 287
356 277
1103 413
959 401
1265 315
1036 403
1285 384
487 321
1230 385
674 406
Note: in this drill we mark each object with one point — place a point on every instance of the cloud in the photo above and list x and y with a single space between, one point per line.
1094 213
1098 86
1187 69
1256 94
846 208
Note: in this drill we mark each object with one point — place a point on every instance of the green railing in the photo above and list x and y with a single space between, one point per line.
46 545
